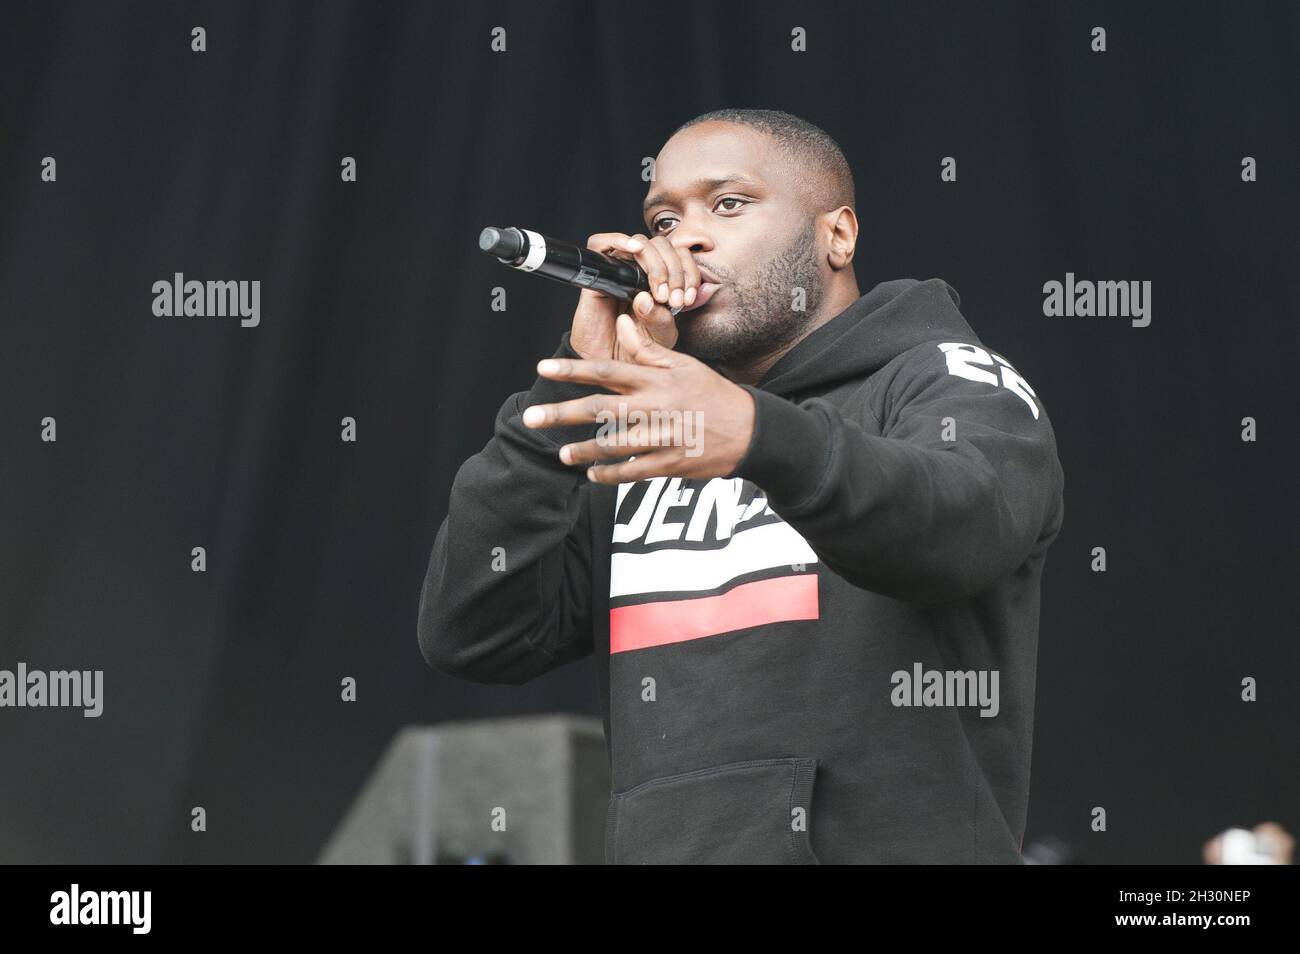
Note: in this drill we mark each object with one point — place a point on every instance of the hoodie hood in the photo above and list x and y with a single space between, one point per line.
892 318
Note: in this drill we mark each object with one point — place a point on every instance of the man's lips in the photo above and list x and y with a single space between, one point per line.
702 297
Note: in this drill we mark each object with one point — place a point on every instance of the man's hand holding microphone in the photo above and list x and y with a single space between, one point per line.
674 280
631 353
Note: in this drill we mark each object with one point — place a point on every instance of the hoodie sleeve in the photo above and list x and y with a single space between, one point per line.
952 497
507 593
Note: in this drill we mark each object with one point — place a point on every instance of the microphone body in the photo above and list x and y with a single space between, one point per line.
531 251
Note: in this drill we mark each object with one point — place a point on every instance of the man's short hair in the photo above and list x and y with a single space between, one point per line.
810 147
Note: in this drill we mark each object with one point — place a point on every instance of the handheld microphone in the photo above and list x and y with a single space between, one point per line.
566 262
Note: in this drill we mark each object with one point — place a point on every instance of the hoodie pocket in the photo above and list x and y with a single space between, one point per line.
754 812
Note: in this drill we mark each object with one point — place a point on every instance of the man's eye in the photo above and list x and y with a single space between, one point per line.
655 225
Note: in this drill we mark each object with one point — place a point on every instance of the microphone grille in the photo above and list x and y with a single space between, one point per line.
503 243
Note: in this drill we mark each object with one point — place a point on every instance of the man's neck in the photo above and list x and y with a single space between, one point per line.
832 305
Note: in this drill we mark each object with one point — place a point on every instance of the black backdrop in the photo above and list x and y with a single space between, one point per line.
222 688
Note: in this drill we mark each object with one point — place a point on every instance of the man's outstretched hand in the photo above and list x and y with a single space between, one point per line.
674 414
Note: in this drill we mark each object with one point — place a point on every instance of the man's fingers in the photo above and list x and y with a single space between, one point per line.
621 376
639 345
607 242
633 441
652 262
673 262
691 273
583 410
644 304
616 245
668 269
654 464
656 317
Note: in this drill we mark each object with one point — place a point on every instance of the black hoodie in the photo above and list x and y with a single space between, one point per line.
829 655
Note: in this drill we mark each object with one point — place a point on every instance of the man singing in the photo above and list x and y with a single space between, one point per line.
814 600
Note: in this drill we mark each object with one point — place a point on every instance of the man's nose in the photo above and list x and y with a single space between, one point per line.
691 237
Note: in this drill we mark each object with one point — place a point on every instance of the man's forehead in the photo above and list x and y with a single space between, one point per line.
711 152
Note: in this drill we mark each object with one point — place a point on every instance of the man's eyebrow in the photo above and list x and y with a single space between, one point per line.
702 185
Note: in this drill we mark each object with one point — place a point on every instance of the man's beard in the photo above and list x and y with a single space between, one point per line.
761 319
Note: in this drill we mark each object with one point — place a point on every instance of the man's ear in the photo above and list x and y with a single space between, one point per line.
843 224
